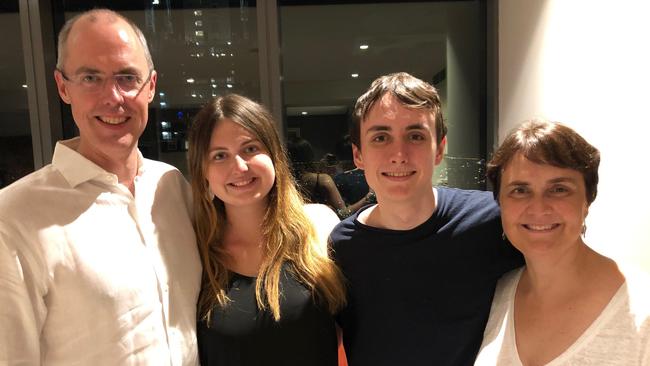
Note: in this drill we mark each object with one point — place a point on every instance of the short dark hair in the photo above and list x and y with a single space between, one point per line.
410 91
551 143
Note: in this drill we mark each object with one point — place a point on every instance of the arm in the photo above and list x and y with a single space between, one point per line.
22 312
330 192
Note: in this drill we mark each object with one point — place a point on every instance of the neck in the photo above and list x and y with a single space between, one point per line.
402 215
123 163
245 223
566 273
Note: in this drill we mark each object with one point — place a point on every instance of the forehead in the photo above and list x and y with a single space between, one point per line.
103 43
390 112
520 168
227 131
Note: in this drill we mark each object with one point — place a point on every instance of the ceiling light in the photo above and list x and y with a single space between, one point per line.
363 47
229 85
355 75
161 94
24 85
163 104
190 80
193 95
304 113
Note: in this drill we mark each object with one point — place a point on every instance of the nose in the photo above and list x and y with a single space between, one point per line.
241 164
398 153
539 204
113 96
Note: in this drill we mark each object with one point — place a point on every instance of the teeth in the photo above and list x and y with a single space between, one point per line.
113 120
398 174
540 227
242 183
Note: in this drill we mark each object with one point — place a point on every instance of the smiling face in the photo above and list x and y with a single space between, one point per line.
239 170
542 207
398 151
109 122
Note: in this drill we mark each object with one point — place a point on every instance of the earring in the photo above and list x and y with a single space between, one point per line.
584 230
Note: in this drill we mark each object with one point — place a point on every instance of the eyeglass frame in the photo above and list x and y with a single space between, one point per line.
117 85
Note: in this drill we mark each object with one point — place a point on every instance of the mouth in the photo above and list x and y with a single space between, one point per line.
540 228
398 174
242 183
112 120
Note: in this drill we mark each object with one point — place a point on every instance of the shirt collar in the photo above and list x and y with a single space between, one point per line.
77 169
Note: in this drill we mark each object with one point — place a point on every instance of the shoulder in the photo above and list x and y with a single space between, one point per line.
323 218
164 176
22 194
637 282
467 204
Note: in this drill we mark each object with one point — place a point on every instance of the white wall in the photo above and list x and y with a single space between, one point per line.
587 64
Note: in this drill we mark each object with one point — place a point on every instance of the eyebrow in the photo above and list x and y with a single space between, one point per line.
246 142
89 70
411 127
551 181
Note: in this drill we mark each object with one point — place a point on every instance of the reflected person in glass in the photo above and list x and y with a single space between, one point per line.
269 287
569 305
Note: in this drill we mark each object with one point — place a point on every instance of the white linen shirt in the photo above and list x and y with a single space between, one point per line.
89 274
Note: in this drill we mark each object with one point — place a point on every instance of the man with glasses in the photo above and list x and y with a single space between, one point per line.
98 263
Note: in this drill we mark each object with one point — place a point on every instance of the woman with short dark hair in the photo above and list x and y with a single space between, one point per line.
569 305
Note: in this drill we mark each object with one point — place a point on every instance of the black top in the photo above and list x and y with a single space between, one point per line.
422 296
242 335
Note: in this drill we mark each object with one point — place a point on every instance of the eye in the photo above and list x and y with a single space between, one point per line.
519 191
559 190
251 149
90 79
127 79
379 138
218 156
417 136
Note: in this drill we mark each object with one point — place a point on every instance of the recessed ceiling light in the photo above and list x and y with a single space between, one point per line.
354 75
304 113
161 94
24 85
363 47
163 104
229 85
190 80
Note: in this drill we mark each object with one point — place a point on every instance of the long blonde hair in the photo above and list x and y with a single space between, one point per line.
289 235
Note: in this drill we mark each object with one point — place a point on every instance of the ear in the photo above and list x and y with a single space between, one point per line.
356 154
151 88
440 151
61 87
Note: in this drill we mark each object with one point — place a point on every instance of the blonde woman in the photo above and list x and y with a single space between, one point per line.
269 287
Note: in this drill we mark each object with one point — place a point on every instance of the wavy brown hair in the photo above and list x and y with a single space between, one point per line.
290 236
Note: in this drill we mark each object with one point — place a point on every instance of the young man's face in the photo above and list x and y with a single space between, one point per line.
398 150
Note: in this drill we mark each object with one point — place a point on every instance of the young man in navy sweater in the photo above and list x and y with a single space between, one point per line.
423 262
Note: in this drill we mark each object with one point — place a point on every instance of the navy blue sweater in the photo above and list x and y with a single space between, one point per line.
422 296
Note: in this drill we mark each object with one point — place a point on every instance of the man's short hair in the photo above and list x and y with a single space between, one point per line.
93 16
410 91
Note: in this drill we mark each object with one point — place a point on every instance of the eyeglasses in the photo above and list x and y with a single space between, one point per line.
129 85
